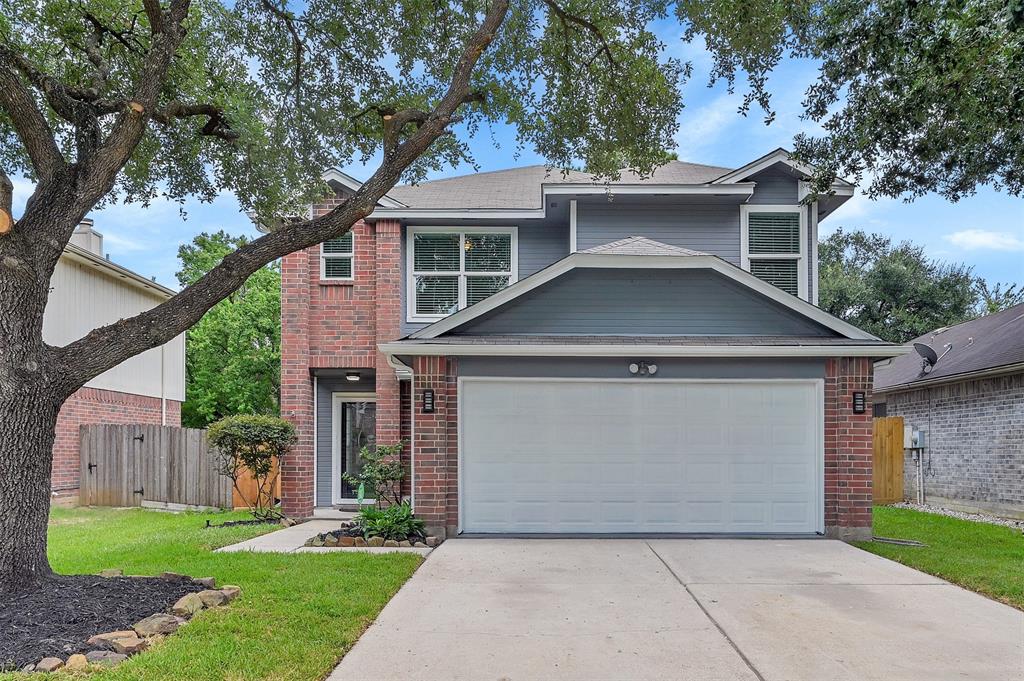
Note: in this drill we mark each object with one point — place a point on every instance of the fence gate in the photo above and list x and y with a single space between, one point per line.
888 459
143 465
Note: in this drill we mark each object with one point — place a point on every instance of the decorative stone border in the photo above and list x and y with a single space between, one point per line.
348 537
118 646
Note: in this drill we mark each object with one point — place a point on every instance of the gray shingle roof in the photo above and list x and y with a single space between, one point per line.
988 342
638 245
521 187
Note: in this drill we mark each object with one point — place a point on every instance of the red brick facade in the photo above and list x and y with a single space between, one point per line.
332 324
91 406
848 447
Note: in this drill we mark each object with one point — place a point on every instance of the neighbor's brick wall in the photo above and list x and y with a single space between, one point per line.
975 456
95 406
848 449
337 324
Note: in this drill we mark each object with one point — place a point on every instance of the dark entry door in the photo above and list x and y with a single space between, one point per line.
357 422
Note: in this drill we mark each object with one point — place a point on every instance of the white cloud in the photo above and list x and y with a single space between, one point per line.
983 239
701 128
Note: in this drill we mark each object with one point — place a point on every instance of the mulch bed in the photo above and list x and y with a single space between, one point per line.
236 523
58 618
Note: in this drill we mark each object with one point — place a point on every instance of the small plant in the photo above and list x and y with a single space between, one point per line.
381 475
394 522
253 444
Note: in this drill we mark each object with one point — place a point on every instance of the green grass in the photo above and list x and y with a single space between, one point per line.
298 614
985 558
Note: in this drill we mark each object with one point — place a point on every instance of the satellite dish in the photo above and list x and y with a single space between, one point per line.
927 354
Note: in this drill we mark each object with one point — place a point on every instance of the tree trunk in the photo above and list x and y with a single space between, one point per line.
26 452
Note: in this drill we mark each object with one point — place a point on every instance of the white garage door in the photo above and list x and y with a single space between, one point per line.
569 456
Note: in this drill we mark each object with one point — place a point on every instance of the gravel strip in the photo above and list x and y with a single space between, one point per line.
976 517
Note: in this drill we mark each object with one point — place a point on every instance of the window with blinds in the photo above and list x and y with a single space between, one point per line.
336 258
774 250
452 270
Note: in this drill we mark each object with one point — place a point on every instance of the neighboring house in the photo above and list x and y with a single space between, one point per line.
566 356
88 291
970 405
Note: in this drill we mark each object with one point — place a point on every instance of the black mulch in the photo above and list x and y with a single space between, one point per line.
57 619
236 523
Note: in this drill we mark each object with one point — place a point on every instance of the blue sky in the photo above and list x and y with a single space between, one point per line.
985 231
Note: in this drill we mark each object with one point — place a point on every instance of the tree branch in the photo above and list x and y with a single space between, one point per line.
155 15
110 345
217 124
569 18
32 128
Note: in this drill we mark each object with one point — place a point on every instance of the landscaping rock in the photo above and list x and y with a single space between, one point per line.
391 543
288 522
129 646
375 541
105 657
49 664
160 623
173 575
208 582
432 542
104 640
346 541
28 668
419 545
360 542
231 592
331 540
187 605
76 662
113 572
318 541
405 543
212 598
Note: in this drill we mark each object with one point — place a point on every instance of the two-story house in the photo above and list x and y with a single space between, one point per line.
565 356
88 290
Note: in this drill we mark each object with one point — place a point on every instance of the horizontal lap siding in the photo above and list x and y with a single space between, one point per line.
709 228
639 302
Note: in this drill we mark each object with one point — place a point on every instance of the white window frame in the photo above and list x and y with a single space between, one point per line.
801 258
411 273
351 256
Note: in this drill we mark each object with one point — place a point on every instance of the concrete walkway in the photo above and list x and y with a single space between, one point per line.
293 539
635 610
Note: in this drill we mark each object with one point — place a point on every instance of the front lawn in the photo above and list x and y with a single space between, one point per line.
298 614
985 558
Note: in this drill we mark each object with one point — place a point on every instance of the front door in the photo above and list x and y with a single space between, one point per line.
354 427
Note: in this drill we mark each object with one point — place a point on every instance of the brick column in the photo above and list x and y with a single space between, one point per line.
296 384
388 326
435 474
848 449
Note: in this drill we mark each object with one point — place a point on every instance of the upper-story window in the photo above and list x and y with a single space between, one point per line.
451 269
337 258
774 246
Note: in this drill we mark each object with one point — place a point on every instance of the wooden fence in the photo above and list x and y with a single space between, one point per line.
888 459
157 466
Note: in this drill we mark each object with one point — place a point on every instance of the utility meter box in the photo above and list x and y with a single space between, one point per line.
914 437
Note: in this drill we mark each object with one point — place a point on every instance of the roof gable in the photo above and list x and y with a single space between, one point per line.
627 260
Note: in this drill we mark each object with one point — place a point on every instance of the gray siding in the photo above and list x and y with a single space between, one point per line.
616 367
539 246
710 228
975 453
326 387
653 302
775 185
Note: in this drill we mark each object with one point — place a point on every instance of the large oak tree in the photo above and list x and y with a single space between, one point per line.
103 100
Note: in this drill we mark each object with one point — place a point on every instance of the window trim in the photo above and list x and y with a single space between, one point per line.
351 256
801 257
411 273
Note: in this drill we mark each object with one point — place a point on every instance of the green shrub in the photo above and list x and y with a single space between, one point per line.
253 443
381 474
394 522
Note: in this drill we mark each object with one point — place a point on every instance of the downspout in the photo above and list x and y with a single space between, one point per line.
404 372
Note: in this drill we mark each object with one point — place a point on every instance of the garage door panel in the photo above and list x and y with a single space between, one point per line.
645 456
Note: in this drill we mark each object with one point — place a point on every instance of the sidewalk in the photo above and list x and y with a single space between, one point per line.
293 539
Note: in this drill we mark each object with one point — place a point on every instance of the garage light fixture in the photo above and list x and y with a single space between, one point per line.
643 369
352 376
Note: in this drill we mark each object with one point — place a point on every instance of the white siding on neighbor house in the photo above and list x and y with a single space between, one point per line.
83 298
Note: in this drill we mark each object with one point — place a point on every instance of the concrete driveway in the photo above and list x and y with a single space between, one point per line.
686 609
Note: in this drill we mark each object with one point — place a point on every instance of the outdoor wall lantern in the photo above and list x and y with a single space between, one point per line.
859 402
428 401
643 369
